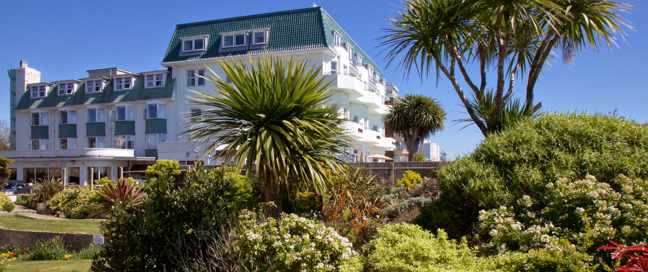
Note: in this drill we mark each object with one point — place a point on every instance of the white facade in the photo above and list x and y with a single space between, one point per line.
430 150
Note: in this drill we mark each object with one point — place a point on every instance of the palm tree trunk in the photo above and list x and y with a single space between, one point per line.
412 144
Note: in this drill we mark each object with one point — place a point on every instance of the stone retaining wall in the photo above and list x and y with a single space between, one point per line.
26 239
392 171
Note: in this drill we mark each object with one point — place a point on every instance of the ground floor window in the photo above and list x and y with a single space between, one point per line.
67 143
125 141
12 174
74 174
154 140
96 173
96 142
36 174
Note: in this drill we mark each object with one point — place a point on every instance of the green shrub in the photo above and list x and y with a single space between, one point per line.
5 203
104 181
292 243
76 203
523 160
308 202
25 200
175 220
45 189
90 252
410 180
46 250
559 256
407 247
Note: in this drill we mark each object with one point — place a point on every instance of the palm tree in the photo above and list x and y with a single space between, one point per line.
415 117
508 39
271 119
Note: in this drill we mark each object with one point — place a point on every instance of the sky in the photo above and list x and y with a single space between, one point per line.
65 38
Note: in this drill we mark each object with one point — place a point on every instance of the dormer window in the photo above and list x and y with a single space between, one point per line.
194 44
123 83
94 85
38 91
337 38
66 88
154 80
234 40
260 37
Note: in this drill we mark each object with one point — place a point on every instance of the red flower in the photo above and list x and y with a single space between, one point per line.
636 256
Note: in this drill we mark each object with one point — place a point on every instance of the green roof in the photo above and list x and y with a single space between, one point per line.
307 28
108 95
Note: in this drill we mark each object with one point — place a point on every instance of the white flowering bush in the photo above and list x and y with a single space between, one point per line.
292 243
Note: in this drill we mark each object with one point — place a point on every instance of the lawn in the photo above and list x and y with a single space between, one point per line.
17 222
50 266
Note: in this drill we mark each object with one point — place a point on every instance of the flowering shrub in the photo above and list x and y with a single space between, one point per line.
635 257
409 180
407 247
5 203
293 243
74 203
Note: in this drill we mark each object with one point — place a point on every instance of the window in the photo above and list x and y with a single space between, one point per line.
66 88
124 113
196 77
155 111
154 80
94 86
194 44
234 40
39 144
195 115
39 119
96 142
260 37
125 142
38 91
334 65
67 143
337 38
96 115
123 83
154 140
96 173
68 117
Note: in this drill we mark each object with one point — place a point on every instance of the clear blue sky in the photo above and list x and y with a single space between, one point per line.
65 38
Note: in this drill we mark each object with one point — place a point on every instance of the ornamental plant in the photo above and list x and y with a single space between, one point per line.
633 258
291 243
5 203
74 203
409 180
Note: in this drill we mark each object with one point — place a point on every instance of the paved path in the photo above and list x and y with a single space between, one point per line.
27 212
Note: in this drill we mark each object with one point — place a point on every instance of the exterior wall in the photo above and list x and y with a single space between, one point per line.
18 80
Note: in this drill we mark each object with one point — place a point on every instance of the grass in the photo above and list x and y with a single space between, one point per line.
50 266
18 222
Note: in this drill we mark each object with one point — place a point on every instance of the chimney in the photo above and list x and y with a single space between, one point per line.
23 64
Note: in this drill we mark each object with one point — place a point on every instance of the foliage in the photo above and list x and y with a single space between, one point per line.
510 40
403 204
104 181
353 203
292 243
25 200
635 257
163 168
270 116
90 252
418 157
308 202
523 161
176 219
53 249
406 247
415 117
559 256
409 180
5 172
122 192
76 203
45 189
5 203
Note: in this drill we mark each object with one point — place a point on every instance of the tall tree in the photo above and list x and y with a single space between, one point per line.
271 118
508 39
415 117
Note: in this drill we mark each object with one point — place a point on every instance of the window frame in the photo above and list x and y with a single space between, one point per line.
129 114
196 77
154 140
234 35
70 143
266 37
39 144
192 40
99 118
99 141
154 79
102 85
120 87
159 114
36 89
68 113
43 118
62 88
128 142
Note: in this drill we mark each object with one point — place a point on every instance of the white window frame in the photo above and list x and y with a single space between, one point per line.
266 37
91 85
126 140
154 78
233 35
193 39
70 143
66 88
71 117
38 91
196 77
153 141
160 111
129 113
39 144
43 118
100 115
119 83
337 38
100 141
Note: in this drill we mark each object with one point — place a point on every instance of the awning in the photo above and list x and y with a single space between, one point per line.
379 157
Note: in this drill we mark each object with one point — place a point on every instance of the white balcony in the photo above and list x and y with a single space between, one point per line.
354 129
387 143
347 82
83 152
